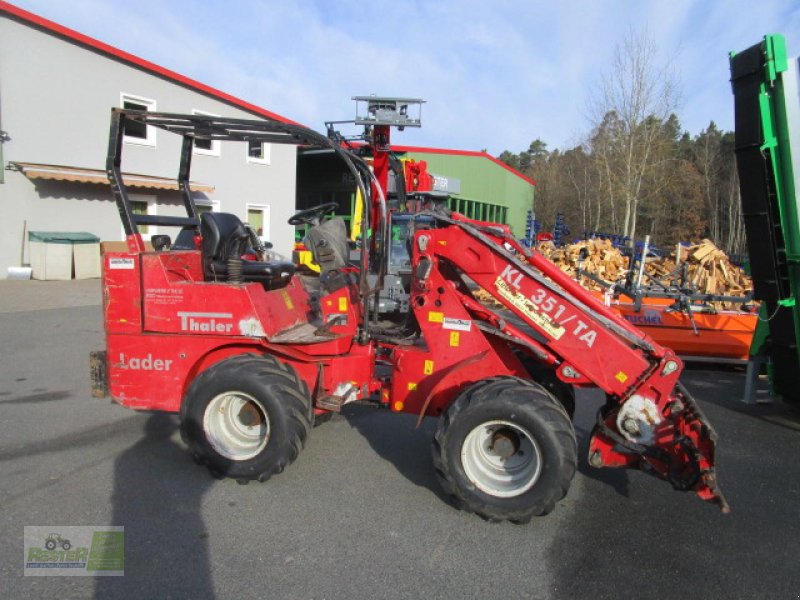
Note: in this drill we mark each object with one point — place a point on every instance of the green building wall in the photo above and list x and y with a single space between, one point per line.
484 182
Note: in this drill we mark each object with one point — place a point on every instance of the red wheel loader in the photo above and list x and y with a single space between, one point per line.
250 353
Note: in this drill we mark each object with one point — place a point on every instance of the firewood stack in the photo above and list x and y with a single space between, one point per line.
709 268
711 271
602 260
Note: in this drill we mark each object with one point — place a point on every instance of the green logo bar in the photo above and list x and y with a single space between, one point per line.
107 552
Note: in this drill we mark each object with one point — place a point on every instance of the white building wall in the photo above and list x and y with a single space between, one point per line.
55 102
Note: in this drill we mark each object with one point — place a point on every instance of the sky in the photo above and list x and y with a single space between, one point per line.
495 74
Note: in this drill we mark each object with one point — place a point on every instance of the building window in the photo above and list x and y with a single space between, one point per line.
206 147
258 219
139 207
144 204
138 133
258 152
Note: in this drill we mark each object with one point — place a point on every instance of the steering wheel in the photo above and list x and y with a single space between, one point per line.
311 216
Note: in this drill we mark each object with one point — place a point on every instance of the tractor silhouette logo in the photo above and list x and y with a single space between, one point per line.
55 539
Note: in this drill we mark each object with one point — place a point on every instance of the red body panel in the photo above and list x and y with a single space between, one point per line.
456 353
177 300
156 345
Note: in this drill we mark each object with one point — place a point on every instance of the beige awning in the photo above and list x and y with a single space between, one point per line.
81 175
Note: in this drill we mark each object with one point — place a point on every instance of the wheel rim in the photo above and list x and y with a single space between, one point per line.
501 458
236 425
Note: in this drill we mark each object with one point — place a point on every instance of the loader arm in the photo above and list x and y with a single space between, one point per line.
649 421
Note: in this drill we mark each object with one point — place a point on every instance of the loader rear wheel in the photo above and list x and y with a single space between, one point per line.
247 417
506 450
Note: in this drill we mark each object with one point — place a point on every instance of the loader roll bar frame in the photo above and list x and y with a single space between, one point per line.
204 127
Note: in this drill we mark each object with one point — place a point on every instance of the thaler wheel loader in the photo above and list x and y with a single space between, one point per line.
250 354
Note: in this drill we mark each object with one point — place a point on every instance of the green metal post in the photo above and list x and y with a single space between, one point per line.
767 162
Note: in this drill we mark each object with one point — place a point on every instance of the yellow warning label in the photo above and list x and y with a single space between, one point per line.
529 309
443 242
342 304
287 299
428 368
454 338
412 386
435 317
621 377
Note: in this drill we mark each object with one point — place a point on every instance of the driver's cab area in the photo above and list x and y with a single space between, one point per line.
326 238
232 252
217 277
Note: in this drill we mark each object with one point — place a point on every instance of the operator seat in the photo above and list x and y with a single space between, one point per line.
225 240
328 244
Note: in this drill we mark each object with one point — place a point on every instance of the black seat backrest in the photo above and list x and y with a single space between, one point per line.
224 236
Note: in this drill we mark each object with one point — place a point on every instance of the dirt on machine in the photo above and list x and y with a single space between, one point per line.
251 353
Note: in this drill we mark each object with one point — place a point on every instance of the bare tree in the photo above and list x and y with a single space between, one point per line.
707 158
635 97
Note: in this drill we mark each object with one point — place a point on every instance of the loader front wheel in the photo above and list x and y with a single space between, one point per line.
506 450
246 417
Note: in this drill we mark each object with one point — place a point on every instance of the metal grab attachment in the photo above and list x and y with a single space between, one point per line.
682 451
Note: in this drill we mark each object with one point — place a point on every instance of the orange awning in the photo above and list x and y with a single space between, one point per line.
81 175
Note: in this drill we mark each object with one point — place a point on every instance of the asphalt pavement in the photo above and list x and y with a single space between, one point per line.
359 514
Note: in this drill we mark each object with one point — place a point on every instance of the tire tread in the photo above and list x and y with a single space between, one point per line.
269 373
547 407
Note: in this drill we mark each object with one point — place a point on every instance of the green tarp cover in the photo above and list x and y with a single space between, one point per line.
63 237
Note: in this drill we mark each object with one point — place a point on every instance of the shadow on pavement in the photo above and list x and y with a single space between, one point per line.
38 397
617 479
395 438
704 384
86 437
158 498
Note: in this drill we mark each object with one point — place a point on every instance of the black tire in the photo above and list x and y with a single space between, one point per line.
545 376
66 545
274 398
519 405
50 544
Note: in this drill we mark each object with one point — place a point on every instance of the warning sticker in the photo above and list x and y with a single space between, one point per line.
529 309
435 317
120 263
457 324
428 368
455 339
342 304
287 300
